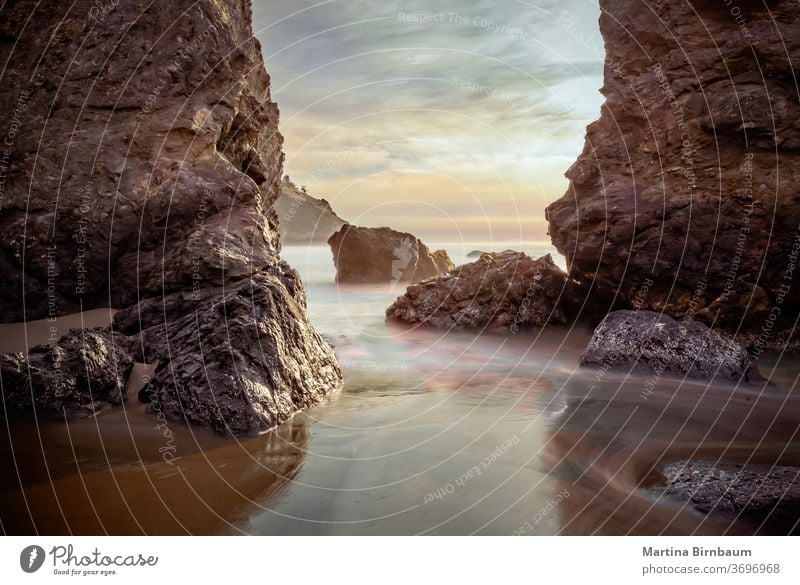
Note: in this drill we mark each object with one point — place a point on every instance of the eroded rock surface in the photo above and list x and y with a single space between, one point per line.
644 341
144 164
238 361
500 291
73 378
687 193
383 255
764 496
146 150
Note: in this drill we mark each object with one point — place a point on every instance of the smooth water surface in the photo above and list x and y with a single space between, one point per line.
432 433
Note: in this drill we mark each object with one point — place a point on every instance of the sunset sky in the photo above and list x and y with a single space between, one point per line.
452 120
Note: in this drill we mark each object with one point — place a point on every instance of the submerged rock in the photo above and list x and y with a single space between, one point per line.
500 291
383 255
686 196
649 342
475 254
145 166
765 496
73 378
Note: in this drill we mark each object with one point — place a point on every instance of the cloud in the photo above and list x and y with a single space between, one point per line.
395 94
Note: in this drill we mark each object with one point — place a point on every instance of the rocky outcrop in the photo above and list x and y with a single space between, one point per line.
302 219
143 159
146 154
687 193
238 360
651 343
72 378
382 255
504 291
765 496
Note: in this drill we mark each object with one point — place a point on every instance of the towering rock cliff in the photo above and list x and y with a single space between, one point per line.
142 138
686 194
140 163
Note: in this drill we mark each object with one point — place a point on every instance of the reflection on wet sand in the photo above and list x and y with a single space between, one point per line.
432 433
107 476
20 336
125 471
609 444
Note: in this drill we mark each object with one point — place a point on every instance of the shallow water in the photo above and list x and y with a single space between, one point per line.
431 434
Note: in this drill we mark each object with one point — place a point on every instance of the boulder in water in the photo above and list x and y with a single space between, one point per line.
654 343
500 291
382 255
238 360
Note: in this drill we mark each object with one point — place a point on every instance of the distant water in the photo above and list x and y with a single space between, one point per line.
432 433
359 310
459 251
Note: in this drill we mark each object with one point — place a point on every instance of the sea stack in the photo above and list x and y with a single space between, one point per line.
365 255
144 165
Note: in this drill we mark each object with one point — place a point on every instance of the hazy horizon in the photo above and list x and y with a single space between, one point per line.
455 123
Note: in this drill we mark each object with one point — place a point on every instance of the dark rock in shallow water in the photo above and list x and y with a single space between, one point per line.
658 344
160 203
501 291
73 378
475 254
383 255
764 496
237 361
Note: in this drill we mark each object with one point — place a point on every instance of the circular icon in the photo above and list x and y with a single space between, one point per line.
31 558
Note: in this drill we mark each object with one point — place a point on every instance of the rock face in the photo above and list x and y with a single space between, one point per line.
648 342
145 152
143 164
238 360
687 193
382 255
304 220
500 291
73 378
